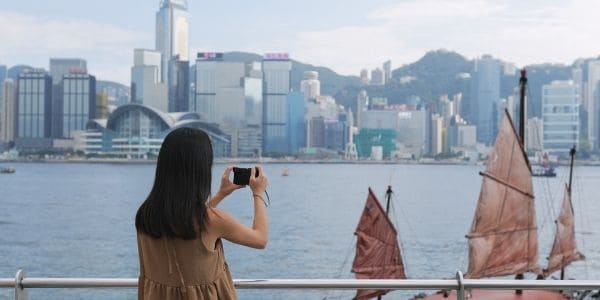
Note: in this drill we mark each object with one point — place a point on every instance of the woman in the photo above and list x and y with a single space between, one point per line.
179 227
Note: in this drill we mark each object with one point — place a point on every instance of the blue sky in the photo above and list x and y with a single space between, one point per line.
345 35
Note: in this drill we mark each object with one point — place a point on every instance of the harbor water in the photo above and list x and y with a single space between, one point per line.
77 220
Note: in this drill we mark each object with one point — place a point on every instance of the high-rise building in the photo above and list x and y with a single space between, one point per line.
362 102
59 67
485 89
560 112
387 71
310 85
296 125
79 102
593 107
62 66
276 86
3 76
179 82
364 77
146 86
535 134
172 33
7 111
34 103
227 92
377 77
437 135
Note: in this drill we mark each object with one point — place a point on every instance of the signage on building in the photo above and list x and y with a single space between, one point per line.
276 56
209 56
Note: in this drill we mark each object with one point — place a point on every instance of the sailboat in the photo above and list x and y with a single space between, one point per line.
378 254
503 236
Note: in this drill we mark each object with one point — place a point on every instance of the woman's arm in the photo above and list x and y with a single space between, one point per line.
228 227
226 188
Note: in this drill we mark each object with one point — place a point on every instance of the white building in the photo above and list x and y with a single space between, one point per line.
310 86
560 113
8 111
146 85
593 107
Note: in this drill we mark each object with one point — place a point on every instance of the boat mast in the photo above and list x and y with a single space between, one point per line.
388 195
572 154
522 91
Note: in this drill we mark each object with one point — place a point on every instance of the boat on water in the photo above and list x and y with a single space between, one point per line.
503 236
378 254
285 172
7 170
546 169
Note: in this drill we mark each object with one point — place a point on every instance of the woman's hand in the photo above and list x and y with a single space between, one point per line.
258 185
227 186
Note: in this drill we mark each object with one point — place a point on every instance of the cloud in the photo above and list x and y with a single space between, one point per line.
31 39
523 32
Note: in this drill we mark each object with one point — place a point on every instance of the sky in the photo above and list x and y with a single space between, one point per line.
344 35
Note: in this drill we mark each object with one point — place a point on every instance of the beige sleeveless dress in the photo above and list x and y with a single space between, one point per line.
172 268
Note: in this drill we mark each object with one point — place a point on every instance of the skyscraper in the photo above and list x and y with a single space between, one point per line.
593 107
277 69
226 91
172 33
485 89
377 77
146 86
79 102
8 111
179 81
34 96
58 68
387 71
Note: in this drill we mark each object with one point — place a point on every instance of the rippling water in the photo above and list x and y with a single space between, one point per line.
77 220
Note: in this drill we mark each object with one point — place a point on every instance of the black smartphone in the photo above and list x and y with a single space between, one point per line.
241 176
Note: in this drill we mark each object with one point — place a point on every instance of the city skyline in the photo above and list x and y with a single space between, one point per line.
402 32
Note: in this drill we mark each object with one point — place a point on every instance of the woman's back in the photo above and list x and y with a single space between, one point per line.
173 268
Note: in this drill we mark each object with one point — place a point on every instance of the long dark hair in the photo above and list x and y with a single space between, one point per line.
175 206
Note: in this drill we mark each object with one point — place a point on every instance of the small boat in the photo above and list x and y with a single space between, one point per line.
285 172
7 170
547 171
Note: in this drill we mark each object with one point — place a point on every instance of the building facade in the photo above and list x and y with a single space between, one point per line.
146 85
560 113
137 131
485 89
593 106
276 86
59 67
172 33
8 111
34 110
79 102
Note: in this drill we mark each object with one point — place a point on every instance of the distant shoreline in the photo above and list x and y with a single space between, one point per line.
272 161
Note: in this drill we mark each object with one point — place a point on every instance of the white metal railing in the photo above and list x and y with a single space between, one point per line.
20 283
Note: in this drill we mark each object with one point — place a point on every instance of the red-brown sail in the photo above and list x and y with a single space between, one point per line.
503 235
564 250
377 252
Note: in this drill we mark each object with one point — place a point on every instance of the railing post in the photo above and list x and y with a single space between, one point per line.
20 292
460 291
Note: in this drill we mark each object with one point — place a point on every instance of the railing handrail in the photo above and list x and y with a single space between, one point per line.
20 283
